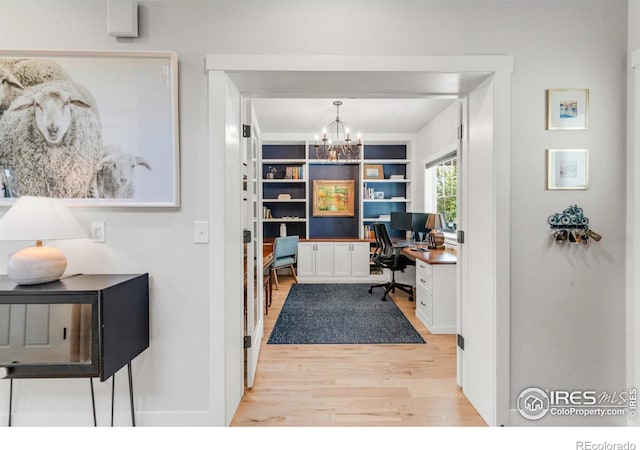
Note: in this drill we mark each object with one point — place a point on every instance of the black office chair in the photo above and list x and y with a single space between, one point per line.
387 256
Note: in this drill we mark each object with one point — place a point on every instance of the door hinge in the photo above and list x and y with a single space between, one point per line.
460 129
460 237
246 236
247 341
460 342
246 131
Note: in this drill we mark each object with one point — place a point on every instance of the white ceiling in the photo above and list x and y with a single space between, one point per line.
366 116
373 102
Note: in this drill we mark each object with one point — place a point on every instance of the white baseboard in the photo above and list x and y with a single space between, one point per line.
121 419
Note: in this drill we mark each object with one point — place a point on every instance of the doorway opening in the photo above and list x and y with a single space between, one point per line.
286 76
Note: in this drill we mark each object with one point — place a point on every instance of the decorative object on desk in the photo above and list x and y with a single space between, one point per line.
284 196
571 226
337 144
567 109
37 219
567 169
333 198
326 313
435 222
283 230
374 172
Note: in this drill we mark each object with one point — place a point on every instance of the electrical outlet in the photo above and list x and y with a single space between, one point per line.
201 232
97 231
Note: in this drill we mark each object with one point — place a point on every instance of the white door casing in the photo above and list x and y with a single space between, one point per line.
500 68
226 316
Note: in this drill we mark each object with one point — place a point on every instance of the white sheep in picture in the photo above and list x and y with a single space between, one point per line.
18 74
115 175
10 88
51 141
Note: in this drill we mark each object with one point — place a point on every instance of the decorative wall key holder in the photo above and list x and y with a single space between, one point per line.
571 225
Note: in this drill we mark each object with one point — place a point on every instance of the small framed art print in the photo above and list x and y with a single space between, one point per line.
567 169
567 109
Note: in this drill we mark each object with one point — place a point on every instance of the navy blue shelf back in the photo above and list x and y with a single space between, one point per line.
334 227
398 151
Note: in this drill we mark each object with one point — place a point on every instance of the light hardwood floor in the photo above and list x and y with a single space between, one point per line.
356 385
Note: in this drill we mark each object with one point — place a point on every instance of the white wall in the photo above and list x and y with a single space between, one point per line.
568 304
438 138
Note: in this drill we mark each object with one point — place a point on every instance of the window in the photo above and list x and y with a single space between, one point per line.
442 188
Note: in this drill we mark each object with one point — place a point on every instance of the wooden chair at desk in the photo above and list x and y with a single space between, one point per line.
387 256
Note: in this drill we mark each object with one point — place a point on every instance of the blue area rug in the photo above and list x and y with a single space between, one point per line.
340 314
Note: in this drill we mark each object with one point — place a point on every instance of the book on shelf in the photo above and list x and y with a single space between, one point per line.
396 177
284 196
294 173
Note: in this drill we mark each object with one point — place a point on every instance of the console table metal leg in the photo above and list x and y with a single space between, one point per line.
133 418
93 403
113 390
10 398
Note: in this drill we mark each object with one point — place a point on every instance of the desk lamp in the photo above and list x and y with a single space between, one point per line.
37 219
435 224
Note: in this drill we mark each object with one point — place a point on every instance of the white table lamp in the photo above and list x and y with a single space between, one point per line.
37 219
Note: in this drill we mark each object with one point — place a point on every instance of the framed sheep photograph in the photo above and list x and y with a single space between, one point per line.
96 128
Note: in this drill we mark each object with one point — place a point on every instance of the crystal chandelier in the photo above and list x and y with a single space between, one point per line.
336 141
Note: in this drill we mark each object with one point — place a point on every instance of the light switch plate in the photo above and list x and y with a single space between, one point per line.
201 232
97 231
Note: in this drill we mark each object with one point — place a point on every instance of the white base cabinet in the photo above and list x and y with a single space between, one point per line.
315 259
436 296
338 262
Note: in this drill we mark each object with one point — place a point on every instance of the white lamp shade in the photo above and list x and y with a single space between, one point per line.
39 218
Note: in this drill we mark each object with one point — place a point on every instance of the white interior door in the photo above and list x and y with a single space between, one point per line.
226 268
255 293
476 290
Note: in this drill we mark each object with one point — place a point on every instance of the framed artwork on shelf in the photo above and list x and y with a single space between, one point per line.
373 172
118 142
567 109
333 198
567 169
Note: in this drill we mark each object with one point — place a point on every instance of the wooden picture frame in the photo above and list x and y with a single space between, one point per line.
333 198
373 172
567 109
567 169
133 97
